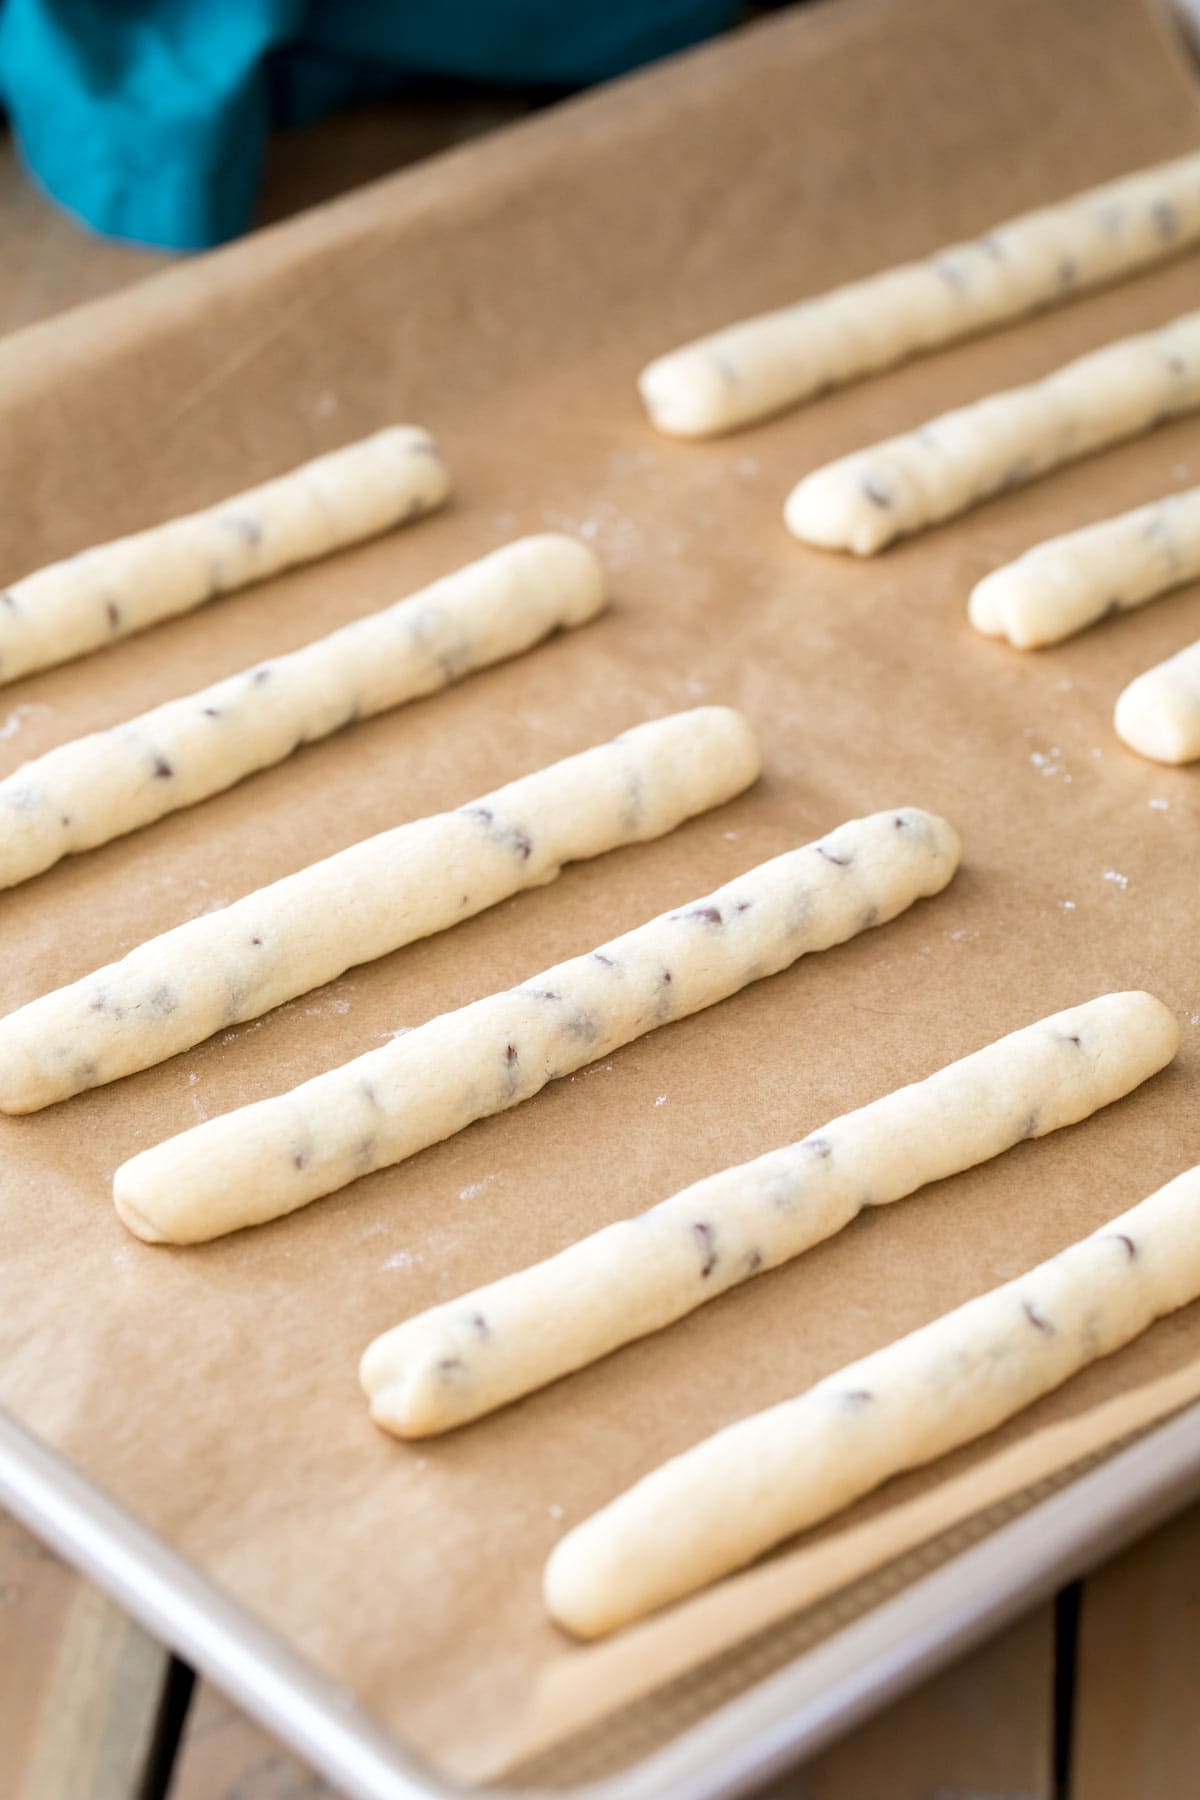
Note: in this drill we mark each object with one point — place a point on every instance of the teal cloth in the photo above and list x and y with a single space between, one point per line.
146 118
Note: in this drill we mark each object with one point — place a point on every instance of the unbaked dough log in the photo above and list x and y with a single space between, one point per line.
99 787
475 1353
1038 259
735 1495
115 589
367 901
265 1160
1068 582
863 501
1158 715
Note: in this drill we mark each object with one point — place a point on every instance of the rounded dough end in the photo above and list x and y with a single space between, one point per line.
405 1396
575 572
825 510
1157 1022
1131 1030
740 747
571 1593
131 1215
386 1407
983 609
943 840
684 394
1144 723
407 438
22 1088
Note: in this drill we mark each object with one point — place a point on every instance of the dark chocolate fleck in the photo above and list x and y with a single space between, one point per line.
446 1365
365 1151
1071 1037
820 1146
510 1054
515 836
1036 1320
856 1396
743 906
235 1000
480 1325
666 978
711 914
1030 1126
631 813
64 819
843 862
874 493
703 1234
212 712
261 675
454 662
300 1159
599 956
542 993
754 1261
9 600
1015 475
246 528
1124 1238
1166 220
162 1000
114 613
367 1090
953 277
256 940
163 769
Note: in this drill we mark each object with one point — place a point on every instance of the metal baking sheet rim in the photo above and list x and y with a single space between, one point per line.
789 1715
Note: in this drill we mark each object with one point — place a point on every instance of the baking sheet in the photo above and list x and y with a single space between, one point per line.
505 297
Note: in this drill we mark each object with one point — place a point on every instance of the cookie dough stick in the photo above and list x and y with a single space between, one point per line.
1068 582
1158 715
99 787
473 1354
115 589
758 1482
863 501
367 901
1038 259
265 1160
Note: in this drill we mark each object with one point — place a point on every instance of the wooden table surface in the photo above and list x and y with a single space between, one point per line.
1086 1699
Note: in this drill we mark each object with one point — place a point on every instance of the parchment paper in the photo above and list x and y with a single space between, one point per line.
506 296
